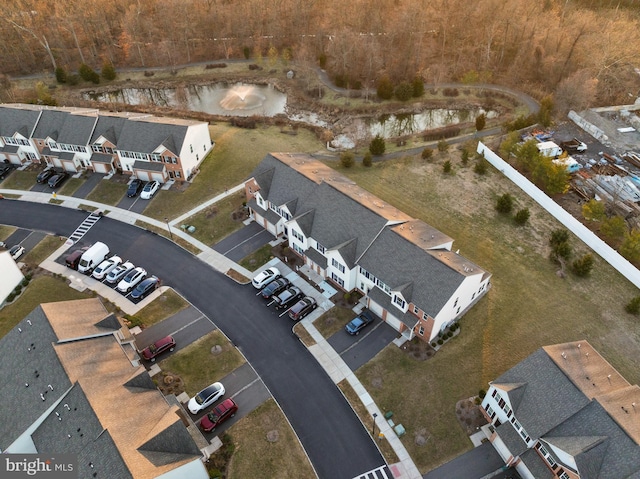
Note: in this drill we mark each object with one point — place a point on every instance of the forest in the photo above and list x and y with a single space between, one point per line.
585 52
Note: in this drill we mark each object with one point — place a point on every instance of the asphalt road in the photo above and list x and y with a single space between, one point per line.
332 435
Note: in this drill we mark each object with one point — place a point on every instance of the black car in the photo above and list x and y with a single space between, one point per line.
302 308
44 176
134 187
275 287
57 180
4 170
288 297
145 287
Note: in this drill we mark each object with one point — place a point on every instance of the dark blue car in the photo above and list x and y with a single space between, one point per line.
145 287
359 322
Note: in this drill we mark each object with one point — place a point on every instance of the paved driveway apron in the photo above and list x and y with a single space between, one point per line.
88 186
474 464
337 444
244 242
360 349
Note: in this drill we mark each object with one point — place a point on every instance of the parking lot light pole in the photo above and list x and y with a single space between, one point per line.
373 431
169 226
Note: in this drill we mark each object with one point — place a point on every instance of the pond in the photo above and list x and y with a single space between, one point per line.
393 126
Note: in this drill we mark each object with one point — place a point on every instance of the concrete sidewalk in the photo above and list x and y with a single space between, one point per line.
328 358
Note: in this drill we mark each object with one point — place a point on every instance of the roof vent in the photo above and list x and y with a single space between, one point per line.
42 396
563 355
29 321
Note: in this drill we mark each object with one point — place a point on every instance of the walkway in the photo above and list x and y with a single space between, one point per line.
326 356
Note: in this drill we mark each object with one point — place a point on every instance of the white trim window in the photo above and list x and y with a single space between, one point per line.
398 301
337 279
339 266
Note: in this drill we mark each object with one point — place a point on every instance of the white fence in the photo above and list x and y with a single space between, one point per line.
601 248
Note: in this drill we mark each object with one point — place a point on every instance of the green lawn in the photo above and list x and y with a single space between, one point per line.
527 307
256 259
43 250
6 231
70 186
20 180
165 305
42 289
198 367
108 192
236 153
333 320
215 222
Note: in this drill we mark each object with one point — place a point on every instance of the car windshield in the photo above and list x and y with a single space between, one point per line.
212 417
153 348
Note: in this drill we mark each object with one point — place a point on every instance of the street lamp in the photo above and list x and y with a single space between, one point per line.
166 220
373 431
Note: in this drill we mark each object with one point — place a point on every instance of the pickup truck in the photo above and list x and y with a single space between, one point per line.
574 146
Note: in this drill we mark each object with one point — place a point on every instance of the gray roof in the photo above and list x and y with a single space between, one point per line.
110 322
77 430
536 465
317 257
398 262
141 380
384 300
65 155
549 396
9 148
15 120
601 448
50 123
148 165
28 358
76 130
145 137
173 444
110 127
511 438
101 158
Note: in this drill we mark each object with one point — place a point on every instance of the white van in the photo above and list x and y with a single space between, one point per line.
93 257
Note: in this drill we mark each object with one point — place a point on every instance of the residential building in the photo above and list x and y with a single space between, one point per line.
11 275
404 267
564 412
71 383
74 139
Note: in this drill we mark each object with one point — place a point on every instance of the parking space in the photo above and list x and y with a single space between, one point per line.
88 186
135 204
26 238
243 242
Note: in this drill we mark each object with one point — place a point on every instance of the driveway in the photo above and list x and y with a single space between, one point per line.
135 204
475 464
243 242
87 187
28 239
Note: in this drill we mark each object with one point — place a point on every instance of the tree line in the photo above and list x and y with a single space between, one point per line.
584 49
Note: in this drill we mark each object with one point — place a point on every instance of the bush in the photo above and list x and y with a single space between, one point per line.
561 250
559 236
11 297
322 60
478 401
108 71
448 335
522 216
440 342
446 167
632 307
480 167
481 122
504 204
246 51
433 344
418 87
377 146
427 154
443 146
367 159
24 282
583 266
384 89
88 74
346 159
482 393
404 91
464 157
450 92
61 75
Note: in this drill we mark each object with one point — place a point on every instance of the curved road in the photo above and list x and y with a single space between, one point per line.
334 438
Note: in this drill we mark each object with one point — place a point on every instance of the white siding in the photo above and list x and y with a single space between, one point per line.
11 275
197 138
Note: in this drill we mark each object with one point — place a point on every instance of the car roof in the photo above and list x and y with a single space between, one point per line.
210 389
163 341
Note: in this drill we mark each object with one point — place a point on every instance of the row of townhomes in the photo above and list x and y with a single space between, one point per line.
564 412
405 268
71 383
75 139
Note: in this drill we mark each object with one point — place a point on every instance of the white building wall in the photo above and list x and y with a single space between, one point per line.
198 138
489 400
193 470
300 246
11 275
348 277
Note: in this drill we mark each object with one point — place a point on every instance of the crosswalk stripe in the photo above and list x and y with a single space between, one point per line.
84 227
377 473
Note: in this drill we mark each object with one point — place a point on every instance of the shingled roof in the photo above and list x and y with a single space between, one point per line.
49 124
14 121
146 137
77 129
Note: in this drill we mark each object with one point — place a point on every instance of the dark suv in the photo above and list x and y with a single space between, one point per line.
288 297
302 308
134 187
275 287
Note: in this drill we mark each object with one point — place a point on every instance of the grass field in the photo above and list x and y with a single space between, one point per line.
19 180
215 222
528 306
108 192
70 186
165 305
43 250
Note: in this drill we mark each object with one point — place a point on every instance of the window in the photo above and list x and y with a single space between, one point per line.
336 264
456 303
458 310
337 279
473 296
399 301
320 248
415 309
204 147
425 316
564 475
297 235
547 456
490 411
191 148
421 331
298 249
178 175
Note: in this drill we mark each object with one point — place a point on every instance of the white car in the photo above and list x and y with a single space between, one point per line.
205 398
119 271
106 267
17 251
149 190
131 279
265 277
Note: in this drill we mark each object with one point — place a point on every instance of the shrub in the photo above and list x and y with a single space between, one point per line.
418 87
478 401
480 167
61 75
384 89
367 159
450 92
482 393
24 282
11 297
504 203
108 71
632 307
443 146
377 146
28 276
559 236
522 216
347 296
440 342
322 60
246 51
481 122
464 157
594 210
583 266
561 250
427 154
346 159
433 344
446 167
88 74
404 91
449 334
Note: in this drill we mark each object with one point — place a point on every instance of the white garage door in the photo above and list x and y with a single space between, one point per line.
15 159
57 162
375 308
157 176
393 322
100 167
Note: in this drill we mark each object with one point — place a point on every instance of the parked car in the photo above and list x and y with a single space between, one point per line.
131 279
145 287
358 323
134 187
302 308
5 170
288 297
44 175
263 278
218 415
73 259
119 271
275 287
57 179
17 251
149 190
205 398
160 346
106 267
91 258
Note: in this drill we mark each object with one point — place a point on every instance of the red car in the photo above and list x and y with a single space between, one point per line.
218 415
160 346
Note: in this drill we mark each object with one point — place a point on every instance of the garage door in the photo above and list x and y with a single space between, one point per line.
15 159
375 308
70 167
157 176
393 322
100 167
57 162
